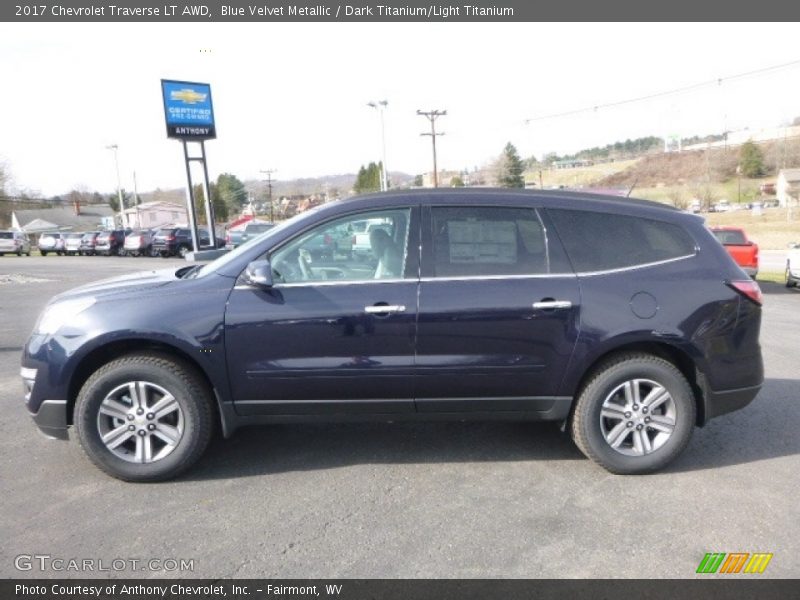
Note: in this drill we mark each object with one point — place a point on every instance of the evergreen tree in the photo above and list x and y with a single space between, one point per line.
511 168
368 179
232 192
751 160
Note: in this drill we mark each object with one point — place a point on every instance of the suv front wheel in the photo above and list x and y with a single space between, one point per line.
144 417
635 415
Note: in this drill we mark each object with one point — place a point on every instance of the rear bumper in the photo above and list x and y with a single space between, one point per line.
720 403
751 271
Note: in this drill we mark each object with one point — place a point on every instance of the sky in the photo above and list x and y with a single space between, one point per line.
293 96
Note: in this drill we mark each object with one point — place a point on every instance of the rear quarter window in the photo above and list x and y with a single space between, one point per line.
598 241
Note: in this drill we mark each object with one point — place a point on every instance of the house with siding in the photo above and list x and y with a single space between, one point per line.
787 188
149 215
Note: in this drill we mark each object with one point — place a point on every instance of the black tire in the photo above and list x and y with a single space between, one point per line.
790 283
19 253
179 379
586 420
42 252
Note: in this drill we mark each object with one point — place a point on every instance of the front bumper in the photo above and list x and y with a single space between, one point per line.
51 418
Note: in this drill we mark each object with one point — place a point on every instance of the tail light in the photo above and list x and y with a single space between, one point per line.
747 288
170 238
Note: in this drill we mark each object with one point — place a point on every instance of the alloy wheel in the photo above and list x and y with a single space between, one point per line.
140 422
638 417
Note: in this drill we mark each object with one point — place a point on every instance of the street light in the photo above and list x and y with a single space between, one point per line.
115 148
380 106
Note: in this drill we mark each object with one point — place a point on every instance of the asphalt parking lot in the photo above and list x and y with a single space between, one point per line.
403 500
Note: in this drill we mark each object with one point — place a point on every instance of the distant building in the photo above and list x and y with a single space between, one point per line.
149 215
787 189
75 217
572 163
445 177
737 138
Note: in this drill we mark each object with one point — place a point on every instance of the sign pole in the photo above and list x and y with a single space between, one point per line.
190 199
189 115
211 218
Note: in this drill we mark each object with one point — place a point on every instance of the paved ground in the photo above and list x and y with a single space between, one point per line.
405 500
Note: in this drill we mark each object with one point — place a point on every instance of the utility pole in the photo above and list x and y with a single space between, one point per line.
136 201
269 173
380 106
115 148
432 116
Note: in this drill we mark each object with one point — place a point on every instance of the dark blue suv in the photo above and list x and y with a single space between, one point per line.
626 321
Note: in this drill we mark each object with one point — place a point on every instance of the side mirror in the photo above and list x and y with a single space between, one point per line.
258 274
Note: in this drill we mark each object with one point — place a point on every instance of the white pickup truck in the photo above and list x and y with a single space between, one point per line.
793 265
362 249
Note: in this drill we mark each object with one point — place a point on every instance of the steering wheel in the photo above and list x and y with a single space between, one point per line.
304 262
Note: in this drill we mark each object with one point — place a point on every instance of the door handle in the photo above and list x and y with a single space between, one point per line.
382 309
552 304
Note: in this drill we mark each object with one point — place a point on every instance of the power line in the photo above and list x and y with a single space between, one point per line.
675 91
432 116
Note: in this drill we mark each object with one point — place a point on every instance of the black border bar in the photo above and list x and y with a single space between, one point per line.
476 11
750 587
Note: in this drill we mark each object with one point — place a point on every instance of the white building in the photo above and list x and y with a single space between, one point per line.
149 215
787 188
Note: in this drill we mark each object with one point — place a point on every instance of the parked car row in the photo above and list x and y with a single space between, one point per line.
14 242
168 241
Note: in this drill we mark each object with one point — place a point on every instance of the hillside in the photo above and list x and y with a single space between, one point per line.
696 167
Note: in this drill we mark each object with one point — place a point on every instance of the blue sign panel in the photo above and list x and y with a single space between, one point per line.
188 110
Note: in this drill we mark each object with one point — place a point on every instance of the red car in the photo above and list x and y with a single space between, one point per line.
743 250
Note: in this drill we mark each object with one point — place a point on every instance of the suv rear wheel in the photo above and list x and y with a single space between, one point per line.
635 415
144 417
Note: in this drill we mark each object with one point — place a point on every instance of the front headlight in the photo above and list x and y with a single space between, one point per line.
58 314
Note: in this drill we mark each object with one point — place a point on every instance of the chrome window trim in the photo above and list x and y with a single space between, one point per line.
479 277
328 283
496 277
635 267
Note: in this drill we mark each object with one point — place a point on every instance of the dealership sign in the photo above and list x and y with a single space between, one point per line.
188 110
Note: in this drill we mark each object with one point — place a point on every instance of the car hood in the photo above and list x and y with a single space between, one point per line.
142 281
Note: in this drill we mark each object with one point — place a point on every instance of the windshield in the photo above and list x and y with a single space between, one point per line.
6 235
233 254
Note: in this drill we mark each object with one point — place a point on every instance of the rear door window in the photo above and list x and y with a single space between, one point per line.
478 241
601 241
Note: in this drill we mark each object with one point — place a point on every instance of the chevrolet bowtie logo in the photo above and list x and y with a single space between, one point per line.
187 96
